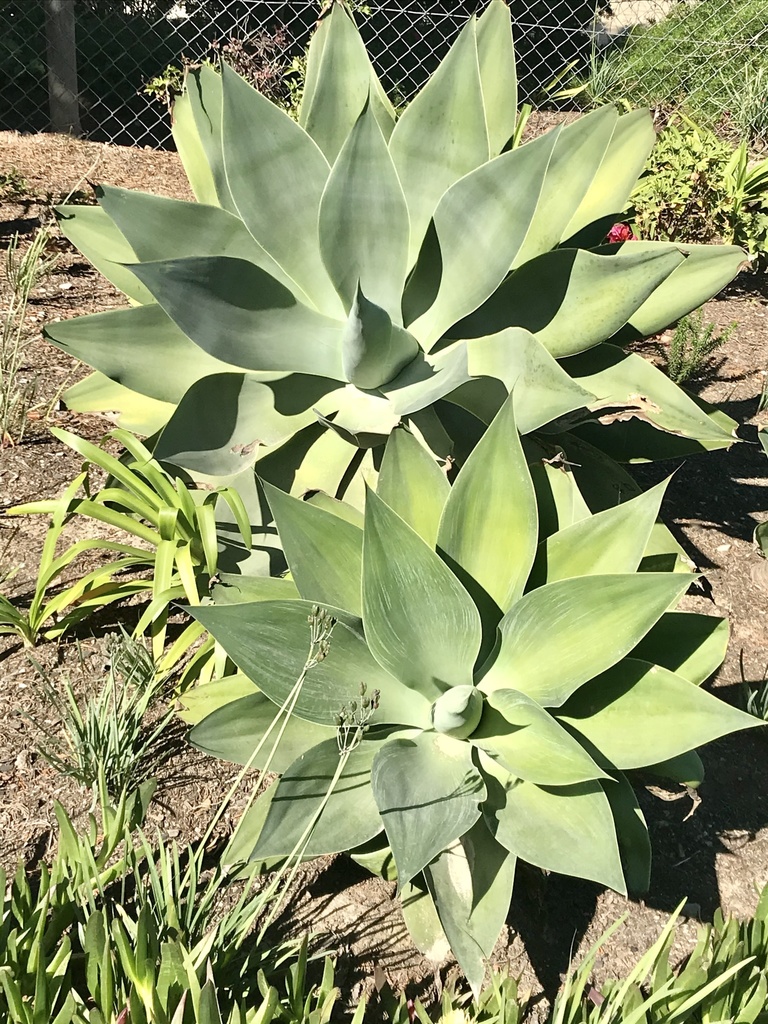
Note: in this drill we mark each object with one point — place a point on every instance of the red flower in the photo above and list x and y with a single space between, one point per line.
621 233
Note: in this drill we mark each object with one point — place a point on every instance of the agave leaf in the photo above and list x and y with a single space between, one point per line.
104 245
636 389
239 314
543 390
489 523
632 833
498 76
557 289
427 379
269 642
687 643
197 132
233 731
348 513
686 769
412 484
313 459
350 816
422 820
632 140
479 226
325 553
422 922
420 623
362 418
559 501
613 541
159 228
339 80
441 135
276 174
569 829
200 701
140 348
530 743
129 409
236 588
224 419
560 636
374 351
636 714
364 227
471 886
576 158
705 271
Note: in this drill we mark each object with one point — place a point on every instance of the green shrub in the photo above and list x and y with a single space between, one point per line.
692 344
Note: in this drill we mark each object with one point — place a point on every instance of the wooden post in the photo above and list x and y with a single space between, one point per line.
62 65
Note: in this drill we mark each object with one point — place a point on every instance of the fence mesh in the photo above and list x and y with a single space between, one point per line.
644 51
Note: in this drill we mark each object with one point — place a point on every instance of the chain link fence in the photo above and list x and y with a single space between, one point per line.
86 63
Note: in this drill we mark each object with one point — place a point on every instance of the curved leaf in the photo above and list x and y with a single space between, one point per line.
339 80
197 132
612 541
276 175
428 793
239 314
498 76
420 623
530 743
441 135
325 553
269 642
200 701
350 816
126 408
632 833
233 731
364 227
637 714
560 636
374 350
412 484
489 524
688 643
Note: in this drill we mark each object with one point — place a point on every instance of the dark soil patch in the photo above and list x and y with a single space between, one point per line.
717 856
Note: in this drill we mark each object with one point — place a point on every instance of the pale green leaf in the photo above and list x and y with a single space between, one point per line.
422 922
632 833
548 294
568 829
200 701
441 135
420 623
479 225
233 731
374 350
140 348
412 484
637 714
687 769
560 636
471 885
269 642
612 541
364 226
631 142
276 175
498 77
126 408
559 501
337 508
530 743
239 314
339 80
688 643
489 525
200 132
237 588
190 147
324 552
104 245
428 793
349 816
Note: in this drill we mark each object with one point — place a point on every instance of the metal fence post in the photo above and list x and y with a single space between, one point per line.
62 65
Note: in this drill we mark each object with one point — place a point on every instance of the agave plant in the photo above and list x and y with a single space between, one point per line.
357 270
486 688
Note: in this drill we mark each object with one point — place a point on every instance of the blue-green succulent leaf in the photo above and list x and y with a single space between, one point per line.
412 484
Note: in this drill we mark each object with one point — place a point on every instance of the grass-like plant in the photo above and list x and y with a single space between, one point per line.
23 270
692 345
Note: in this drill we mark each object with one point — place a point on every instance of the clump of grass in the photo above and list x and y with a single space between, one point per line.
13 184
693 344
23 270
105 735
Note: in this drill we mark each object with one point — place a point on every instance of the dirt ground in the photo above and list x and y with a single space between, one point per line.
715 856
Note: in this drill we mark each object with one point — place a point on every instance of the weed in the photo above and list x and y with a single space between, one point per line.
13 185
692 344
23 271
106 735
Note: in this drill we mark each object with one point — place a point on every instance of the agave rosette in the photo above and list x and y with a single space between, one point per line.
524 666
356 270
